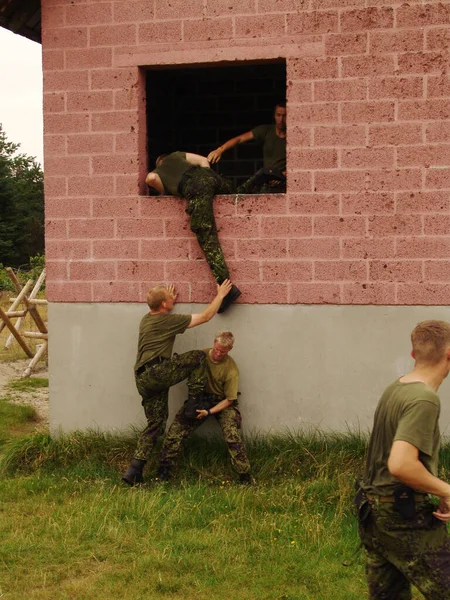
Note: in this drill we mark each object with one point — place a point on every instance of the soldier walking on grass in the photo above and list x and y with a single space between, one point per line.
219 399
403 532
156 370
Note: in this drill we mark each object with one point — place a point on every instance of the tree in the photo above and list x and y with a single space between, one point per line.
21 205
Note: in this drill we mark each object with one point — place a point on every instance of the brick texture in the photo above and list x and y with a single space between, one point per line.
366 217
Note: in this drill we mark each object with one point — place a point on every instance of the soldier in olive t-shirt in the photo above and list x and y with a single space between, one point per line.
188 175
272 178
156 369
219 400
408 412
401 528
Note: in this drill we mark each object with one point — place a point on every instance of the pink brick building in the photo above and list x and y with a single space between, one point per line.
365 220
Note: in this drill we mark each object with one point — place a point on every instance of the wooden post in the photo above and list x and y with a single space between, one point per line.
17 301
39 353
15 333
31 308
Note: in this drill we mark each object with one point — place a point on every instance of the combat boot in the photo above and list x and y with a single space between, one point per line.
133 475
232 295
245 479
163 474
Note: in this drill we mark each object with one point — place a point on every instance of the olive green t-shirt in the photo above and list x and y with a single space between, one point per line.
274 147
171 170
223 377
157 336
407 412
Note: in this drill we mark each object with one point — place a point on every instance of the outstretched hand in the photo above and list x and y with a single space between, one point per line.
201 414
172 292
214 156
224 288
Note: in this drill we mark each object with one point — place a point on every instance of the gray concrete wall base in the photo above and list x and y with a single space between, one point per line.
301 366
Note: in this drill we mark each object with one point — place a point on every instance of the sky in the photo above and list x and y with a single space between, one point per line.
21 92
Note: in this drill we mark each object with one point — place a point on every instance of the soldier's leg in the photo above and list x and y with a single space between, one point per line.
385 581
169 372
230 421
180 429
429 570
200 191
253 185
153 385
156 413
419 548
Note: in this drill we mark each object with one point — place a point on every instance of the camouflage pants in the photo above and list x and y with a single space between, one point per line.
153 385
199 187
403 552
259 185
230 422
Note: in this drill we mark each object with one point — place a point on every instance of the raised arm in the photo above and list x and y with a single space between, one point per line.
216 154
154 180
196 159
211 309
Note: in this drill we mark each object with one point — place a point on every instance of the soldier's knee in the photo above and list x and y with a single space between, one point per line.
199 357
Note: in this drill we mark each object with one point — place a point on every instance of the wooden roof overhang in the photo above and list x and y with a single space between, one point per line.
22 17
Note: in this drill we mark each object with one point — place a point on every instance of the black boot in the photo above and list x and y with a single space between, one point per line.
163 474
133 475
245 479
232 295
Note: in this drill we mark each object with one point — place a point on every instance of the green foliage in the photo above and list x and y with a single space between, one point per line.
14 419
21 205
32 271
29 383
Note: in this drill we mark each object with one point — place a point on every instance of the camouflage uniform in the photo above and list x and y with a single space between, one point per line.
153 385
230 421
199 186
400 551
258 184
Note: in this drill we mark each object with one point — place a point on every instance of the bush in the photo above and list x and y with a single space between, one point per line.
30 271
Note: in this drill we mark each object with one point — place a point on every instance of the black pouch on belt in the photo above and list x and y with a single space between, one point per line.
362 505
404 502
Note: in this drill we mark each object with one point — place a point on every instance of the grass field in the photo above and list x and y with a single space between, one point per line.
70 530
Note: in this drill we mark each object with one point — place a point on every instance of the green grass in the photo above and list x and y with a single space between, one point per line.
31 383
15 420
70 530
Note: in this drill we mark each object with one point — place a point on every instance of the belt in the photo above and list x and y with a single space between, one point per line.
150 363
387 499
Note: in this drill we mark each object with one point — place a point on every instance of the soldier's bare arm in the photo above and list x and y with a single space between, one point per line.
216 154
404 464
217 408
154 180
211 309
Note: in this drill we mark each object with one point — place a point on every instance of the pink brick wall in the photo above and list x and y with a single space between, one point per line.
367 215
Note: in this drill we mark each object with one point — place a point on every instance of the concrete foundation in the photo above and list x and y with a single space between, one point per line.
301 366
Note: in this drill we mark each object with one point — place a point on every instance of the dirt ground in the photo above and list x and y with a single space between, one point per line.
38 398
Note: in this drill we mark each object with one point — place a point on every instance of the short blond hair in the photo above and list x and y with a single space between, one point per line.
225 338
430 340
156 296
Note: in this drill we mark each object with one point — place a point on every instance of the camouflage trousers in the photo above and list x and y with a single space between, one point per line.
153 385
258 184
403 552
230 421
199 187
